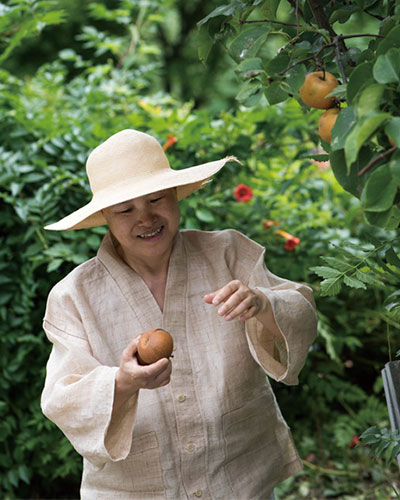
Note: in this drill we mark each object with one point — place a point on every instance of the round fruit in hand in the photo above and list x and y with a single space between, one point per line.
316 86
326 122
154 345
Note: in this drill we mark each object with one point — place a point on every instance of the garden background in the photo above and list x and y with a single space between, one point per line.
208 81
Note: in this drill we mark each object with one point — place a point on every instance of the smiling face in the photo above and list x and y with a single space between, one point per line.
145 227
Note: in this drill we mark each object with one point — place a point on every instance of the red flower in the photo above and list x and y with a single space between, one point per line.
354 441
171 140
243 193
291 241
269 223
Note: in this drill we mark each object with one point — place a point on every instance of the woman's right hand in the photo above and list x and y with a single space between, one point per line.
131 376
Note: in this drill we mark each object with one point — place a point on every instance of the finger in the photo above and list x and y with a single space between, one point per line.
234 300
248 314
241 308
158 367
225 292
208 298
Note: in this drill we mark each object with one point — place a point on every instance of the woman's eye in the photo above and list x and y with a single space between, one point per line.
125 211
155 200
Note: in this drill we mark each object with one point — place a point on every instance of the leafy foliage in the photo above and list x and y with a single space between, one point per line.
314 37
384 442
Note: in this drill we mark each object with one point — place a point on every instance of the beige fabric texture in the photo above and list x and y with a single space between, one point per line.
215 430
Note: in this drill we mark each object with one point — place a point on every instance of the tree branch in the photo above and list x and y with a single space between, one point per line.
320 17
269 21
339 60
375 160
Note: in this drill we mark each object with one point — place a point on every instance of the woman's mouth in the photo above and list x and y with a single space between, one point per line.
151 234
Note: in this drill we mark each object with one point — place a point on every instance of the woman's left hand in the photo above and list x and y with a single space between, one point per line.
238 301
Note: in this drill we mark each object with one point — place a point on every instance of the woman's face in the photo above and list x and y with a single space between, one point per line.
145 227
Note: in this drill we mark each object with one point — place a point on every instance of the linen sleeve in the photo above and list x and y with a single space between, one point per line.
78 397
293 309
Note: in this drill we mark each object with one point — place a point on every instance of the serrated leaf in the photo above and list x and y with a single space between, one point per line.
338 264
368 278
325 272
353 282
392 258
331 286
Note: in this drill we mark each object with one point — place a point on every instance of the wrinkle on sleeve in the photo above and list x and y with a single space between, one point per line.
293 309
78 397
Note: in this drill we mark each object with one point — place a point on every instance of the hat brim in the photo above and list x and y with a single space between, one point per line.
186 181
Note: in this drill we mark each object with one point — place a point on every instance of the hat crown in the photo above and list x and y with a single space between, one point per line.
124 156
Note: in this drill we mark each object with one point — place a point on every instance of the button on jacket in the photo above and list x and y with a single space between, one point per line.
215 431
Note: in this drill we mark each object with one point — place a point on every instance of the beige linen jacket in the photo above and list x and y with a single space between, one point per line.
215 430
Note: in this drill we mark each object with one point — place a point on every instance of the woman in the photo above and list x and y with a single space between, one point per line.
206 424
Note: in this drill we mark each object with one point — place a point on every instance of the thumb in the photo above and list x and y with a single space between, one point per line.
132 347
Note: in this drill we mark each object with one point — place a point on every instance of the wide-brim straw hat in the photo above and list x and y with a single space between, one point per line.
131 164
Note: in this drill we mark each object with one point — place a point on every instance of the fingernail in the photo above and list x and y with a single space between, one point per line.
215 300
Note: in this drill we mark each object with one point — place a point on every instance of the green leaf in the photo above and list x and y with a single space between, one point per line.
54 264
344 123
392 258
248 65
341 15
392 129
295 77
392 39
222 10
368 278
387 67
277 64
361 133
275 93
204 44
360 77
331 286
390 219
370 99
349 180
250 93
204 215
338 264
325 272
268 9
353 282
248 43
379 191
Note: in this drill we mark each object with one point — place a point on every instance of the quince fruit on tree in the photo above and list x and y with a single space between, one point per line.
326 122
316 86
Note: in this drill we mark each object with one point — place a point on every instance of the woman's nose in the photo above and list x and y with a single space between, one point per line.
146 216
